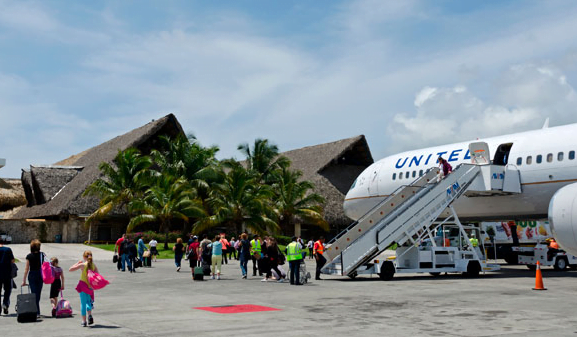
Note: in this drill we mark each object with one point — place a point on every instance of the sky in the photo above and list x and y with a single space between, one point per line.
406 74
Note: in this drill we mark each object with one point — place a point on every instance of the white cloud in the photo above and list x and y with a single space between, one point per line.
526 95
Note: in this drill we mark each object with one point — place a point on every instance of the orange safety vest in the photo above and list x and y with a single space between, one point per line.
554 245
319 248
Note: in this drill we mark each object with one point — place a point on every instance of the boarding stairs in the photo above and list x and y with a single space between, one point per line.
411 212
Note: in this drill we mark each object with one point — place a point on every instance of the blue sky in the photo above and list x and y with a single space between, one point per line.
406 74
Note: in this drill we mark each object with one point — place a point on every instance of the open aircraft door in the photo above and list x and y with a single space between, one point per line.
374 179
480 154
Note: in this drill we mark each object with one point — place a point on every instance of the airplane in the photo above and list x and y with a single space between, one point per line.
547 165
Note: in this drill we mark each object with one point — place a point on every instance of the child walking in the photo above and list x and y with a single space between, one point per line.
84 289
57 285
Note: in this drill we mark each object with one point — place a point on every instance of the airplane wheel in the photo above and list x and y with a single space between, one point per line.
560 264
387 271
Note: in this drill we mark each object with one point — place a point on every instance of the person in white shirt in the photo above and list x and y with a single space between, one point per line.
310 246
153 251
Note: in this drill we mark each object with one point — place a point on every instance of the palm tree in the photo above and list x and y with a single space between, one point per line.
121 182
295 202
167 199
263 158
240 199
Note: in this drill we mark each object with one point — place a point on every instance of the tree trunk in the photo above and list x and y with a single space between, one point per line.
166 230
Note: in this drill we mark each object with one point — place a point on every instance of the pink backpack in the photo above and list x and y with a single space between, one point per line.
47 274
96 280
63 308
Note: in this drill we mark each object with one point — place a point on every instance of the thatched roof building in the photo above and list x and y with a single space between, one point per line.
11 196
56 191
333 167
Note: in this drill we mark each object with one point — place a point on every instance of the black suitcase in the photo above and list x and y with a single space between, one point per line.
147 262
206 269
198 274
26 308
137 263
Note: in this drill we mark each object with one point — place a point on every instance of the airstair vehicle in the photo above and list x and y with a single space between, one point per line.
409 217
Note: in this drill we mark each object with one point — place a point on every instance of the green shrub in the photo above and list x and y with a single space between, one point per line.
282 240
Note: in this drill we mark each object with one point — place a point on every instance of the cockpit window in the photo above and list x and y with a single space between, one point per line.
353 185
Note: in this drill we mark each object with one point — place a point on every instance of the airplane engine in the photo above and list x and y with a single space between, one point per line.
563 217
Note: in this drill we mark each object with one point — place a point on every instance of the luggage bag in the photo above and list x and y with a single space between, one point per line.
26 308
303 274
198 274
63 308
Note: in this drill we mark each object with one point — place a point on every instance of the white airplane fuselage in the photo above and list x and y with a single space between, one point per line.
546 160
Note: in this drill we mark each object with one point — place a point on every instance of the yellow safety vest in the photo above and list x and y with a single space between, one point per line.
254 247
474 242
294 252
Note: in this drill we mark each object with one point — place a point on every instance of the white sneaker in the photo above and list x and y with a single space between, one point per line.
280 281
218 277
178 269
264 280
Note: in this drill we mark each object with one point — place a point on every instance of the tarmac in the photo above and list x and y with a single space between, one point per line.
159 301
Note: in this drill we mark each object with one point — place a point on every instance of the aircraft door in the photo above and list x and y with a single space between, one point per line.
374 179
502 154
480 154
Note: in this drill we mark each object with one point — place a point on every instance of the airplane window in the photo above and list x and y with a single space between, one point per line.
408 175
394 176
414 174
549 157
519 161
529 160
539 159
401 175
560 156
420 173
571 155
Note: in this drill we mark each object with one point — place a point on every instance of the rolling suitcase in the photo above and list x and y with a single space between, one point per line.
205 269
303 274
26 308
147 262
198 274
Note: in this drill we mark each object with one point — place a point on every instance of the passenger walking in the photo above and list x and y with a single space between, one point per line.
194 254
178 251
6 261
275 257
244 254
33 271
141 248
232 249
205 251
118 251
310 246
83 288
255 253
216 247
153 251
294 257
225 247
124 254
57 286
318 250
132 253
445 167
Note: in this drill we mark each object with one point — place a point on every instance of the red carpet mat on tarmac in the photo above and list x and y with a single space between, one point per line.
236 309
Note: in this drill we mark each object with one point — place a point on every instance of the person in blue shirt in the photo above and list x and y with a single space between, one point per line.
6 261
216 246
141 248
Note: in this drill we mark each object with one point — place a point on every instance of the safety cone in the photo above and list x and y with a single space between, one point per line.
539 278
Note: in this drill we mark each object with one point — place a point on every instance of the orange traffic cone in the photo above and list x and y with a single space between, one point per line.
539 279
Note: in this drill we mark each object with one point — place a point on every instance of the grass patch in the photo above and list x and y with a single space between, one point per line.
162 254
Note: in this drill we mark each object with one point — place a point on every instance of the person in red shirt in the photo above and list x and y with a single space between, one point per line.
194 255
118 251
225 245
318 250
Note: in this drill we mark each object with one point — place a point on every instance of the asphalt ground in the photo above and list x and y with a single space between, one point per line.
160 302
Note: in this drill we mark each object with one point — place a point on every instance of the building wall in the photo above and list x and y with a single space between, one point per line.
22 231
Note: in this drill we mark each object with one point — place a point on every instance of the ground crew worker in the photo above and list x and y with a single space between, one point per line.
294 257
318 250
553 249
255 254
474 242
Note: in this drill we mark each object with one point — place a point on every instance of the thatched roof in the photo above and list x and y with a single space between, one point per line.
49 180
69 200
11 194
332 167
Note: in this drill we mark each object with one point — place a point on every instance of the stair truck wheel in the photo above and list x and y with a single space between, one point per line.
560 263
353 275
532 267
387 271
435 273
473 269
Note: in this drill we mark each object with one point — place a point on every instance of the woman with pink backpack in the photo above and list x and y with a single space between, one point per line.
89 281
33 271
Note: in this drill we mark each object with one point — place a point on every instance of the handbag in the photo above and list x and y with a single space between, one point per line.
14 272
115 258
96 280
146 253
